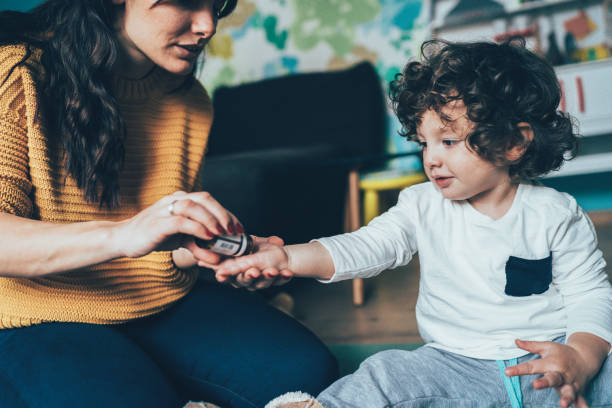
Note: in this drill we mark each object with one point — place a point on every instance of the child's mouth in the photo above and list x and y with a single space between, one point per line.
443 181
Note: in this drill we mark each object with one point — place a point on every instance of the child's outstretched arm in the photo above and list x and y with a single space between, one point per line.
387 242
273 264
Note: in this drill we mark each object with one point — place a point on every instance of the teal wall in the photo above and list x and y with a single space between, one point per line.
20 5
592 191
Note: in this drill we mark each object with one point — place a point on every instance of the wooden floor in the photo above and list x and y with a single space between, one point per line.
387 315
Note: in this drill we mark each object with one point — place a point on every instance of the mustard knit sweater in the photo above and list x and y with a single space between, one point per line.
166 135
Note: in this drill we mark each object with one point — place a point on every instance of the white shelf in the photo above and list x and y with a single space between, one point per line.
537 7
592 163
587 86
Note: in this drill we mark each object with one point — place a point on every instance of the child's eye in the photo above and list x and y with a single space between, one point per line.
450 142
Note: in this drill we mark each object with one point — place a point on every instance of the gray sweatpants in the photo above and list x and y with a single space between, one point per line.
432 378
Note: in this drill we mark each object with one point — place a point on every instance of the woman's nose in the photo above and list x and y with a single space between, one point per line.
204 23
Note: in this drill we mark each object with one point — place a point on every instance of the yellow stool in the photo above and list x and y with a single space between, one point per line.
372 184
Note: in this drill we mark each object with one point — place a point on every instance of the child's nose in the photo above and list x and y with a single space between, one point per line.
431 159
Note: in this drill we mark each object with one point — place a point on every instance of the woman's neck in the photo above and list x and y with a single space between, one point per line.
131 63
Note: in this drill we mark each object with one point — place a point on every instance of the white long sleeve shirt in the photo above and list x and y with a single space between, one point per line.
474 299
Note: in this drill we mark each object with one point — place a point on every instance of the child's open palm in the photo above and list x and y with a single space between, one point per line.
561 366
267 266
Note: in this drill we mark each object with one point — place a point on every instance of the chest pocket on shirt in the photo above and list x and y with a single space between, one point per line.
526 277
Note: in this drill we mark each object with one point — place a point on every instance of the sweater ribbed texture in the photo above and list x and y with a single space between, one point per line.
166 137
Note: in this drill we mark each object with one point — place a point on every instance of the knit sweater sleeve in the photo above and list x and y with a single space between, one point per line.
15 183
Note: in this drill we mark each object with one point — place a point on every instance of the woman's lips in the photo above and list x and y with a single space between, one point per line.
189 51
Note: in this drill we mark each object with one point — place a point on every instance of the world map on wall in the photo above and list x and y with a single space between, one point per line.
267 38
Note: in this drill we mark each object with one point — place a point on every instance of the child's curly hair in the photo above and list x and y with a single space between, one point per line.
501 85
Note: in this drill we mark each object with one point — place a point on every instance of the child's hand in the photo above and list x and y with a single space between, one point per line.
561 366
267 266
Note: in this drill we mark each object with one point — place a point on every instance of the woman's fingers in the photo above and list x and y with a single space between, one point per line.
255 279
270 273
285 275
159 227
188 226
193 210
247 278
204 257
223 278
227 221
268 278
207 259
204 208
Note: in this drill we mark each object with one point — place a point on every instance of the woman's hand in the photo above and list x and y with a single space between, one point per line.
173 222
267 266
562 367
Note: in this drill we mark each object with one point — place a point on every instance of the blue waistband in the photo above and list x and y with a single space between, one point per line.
512 384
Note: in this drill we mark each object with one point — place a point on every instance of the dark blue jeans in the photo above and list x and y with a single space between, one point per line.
217 344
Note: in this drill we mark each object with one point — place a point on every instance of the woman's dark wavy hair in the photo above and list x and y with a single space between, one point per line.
501 85
79 48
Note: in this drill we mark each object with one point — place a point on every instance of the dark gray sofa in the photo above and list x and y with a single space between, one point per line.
279 149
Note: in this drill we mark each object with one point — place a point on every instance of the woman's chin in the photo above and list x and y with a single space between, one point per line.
179 67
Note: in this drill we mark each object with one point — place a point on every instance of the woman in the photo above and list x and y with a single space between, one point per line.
102 133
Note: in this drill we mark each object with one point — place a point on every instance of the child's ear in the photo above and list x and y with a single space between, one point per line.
517 151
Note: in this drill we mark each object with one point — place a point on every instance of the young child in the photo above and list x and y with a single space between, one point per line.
514 301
